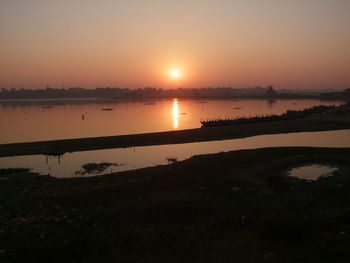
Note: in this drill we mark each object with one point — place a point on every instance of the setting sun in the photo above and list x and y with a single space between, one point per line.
175 74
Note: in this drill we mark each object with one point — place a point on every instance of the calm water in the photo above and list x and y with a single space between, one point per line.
47 120
312 172
139 157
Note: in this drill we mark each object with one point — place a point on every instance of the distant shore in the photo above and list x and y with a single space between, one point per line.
159 93
334 119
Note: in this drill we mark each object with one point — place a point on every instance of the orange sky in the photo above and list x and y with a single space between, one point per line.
291 44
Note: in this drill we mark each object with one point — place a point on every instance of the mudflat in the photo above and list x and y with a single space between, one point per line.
238 206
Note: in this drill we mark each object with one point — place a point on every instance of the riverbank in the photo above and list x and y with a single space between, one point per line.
334 119
229 207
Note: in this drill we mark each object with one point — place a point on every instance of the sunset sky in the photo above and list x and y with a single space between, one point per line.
135 43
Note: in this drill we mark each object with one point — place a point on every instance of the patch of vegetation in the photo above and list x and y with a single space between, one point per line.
95 168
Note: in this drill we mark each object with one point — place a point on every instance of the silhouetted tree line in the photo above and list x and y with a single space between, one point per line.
338 95
149 92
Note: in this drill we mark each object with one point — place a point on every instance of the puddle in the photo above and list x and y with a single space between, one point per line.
312 172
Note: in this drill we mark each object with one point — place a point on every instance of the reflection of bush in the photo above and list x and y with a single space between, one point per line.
95 168
290 114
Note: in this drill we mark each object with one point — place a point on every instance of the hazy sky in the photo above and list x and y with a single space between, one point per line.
135 43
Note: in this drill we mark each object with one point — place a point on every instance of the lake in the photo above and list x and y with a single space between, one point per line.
24 121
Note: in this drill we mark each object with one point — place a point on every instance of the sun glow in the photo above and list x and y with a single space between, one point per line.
175 74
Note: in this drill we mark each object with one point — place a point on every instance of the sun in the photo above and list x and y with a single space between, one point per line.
175 74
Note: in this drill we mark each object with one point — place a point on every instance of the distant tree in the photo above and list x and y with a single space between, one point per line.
271 92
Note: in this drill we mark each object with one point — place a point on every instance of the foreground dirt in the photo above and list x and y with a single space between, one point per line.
229 207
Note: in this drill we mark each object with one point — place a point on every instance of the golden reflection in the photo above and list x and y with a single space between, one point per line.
175 114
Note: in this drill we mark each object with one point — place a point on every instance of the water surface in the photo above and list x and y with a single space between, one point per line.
312 172
23 121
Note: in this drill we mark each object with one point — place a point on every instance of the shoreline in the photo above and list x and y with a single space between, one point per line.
334 119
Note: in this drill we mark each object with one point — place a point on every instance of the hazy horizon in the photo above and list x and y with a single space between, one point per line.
167 44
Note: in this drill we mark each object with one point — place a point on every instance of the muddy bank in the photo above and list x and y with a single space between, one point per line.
228 207
337 118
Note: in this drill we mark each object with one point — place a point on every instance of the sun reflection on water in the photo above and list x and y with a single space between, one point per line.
175 114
